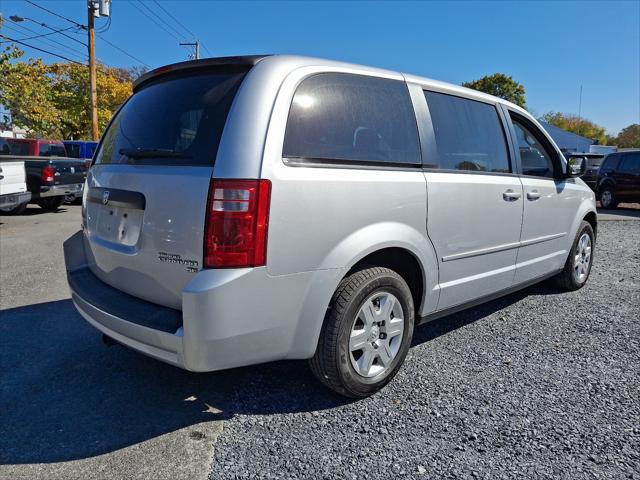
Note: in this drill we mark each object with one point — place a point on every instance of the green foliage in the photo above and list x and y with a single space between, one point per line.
629 137
580 126
53 100
500 85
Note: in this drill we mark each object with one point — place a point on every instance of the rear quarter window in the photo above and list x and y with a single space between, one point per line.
352 118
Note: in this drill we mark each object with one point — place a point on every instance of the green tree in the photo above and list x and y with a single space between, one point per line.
500 85
52 100
629 137
578 125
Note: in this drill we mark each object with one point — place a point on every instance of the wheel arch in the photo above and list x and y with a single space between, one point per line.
592 218
403 247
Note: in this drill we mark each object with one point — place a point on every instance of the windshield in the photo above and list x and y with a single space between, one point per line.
173 121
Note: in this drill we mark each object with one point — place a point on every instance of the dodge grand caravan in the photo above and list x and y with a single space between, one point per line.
248 209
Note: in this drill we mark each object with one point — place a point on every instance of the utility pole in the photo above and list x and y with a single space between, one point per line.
580 103
93 100
194 44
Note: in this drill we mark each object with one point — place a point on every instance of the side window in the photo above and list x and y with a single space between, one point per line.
535 158
469 135
631 162
336 116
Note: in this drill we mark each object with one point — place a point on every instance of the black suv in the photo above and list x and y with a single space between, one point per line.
619 179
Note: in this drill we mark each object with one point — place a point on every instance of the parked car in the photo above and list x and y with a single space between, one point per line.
594 160
80 148
35 147
248 209
53 181
13 185
619 179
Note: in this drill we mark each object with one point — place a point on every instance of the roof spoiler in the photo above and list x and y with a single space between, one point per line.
246 60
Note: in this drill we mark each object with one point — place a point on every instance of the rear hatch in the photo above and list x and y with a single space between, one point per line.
144 208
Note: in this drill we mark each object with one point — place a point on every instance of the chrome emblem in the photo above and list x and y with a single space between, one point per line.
105 197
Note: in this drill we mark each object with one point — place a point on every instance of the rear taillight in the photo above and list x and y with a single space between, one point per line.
236 223
48 174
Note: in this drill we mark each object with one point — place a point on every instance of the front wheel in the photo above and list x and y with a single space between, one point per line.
578 266
366 333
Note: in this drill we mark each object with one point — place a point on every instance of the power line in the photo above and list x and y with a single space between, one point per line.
84 27
121 50
49 41
154 21
174 18
56 14
161 19
44 34
42 50
180 24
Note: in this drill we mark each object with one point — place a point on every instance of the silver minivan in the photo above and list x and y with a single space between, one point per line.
242 210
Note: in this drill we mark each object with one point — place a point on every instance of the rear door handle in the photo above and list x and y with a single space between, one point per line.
533 195
511 195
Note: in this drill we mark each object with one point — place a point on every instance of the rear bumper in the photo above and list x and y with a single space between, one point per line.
60 190
229 318
14 199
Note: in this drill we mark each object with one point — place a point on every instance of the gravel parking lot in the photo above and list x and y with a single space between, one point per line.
539 384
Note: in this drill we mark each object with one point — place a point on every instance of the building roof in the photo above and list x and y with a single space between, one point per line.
567 140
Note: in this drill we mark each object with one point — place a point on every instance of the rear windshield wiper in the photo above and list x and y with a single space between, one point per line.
151 153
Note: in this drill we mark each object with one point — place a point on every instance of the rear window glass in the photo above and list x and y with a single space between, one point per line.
469 135
19 148
344 117
73 150
174 121
52 150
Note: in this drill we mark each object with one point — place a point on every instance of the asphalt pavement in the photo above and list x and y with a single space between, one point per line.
538 384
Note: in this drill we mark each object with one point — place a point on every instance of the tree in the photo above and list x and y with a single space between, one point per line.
578 125
500 85
25 90
629 137
52 100
70 84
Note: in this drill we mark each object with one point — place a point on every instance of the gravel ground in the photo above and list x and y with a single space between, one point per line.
539 384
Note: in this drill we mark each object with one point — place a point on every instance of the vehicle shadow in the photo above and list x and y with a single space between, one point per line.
66 396
624 211
36 210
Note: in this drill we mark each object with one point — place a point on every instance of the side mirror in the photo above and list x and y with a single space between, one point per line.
576 166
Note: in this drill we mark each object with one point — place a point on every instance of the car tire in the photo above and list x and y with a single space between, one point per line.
372 308
17 210
50 203
577 268
608 198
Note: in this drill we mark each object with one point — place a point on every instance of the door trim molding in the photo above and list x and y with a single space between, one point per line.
501 248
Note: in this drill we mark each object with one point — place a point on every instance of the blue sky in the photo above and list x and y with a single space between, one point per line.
552 47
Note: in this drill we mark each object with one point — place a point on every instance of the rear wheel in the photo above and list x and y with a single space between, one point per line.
578 265
608 198
17 210
366 334
50 203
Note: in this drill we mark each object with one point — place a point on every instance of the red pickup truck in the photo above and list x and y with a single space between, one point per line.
36 147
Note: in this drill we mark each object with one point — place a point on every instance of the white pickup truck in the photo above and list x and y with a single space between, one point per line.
14 195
